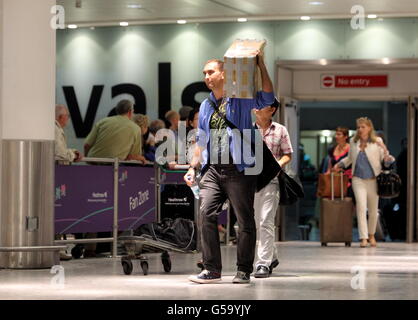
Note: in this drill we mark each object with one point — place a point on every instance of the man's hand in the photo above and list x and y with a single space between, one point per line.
260 58
190 177
78 156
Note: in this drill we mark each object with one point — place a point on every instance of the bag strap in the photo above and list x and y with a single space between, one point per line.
229 123
191 238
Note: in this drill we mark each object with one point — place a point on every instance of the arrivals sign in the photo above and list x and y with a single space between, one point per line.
332 81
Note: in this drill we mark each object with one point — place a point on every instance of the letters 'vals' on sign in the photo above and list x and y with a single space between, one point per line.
83 127
332 81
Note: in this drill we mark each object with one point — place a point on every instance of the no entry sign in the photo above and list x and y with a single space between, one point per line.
354 81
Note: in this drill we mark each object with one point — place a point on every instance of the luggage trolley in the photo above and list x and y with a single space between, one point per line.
137 245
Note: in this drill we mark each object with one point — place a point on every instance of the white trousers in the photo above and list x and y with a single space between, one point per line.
367 202
266 202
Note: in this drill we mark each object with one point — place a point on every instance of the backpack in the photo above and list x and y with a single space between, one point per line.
179 232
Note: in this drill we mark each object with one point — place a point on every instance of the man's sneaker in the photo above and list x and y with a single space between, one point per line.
273 265
262 272
64 256
206 276
241 277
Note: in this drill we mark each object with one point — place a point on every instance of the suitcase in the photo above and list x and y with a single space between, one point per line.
324 185
336 219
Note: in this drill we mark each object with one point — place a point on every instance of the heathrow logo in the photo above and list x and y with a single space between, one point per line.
60 192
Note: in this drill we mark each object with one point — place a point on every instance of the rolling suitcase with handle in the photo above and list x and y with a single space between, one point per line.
336 218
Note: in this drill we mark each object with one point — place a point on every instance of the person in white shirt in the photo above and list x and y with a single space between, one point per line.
63 154
266 200
367 152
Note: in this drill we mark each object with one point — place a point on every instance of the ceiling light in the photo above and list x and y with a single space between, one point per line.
372 16
316 3
123 24
305 18
385 60
242 19
181 21
323 62
72 26
134 6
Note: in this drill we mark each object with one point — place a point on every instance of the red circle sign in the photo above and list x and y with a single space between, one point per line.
327 81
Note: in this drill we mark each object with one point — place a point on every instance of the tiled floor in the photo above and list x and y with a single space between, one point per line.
306 271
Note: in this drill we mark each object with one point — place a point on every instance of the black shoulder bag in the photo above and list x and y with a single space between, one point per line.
388 183
271 167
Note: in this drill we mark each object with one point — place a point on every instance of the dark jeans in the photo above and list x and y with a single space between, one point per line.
223 182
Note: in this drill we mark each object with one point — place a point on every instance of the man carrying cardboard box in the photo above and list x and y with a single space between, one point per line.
226 181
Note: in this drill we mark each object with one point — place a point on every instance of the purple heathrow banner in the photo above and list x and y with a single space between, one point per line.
84 198
136 197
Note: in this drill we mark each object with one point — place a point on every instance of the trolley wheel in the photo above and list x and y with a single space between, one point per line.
348 244
323 244
166 261
127 266
144 266
77 251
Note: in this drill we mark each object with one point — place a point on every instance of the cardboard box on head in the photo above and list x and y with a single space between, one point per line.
242 76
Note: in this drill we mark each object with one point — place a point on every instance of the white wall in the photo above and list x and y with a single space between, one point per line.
114 55
28 65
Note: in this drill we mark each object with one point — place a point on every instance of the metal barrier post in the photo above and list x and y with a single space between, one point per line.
157 192
115 207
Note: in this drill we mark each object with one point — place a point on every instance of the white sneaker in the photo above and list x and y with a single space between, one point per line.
64 256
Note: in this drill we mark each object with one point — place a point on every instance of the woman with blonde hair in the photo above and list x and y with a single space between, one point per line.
367 151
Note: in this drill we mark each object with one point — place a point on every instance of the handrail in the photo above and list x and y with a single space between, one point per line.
32 248
87 159
113 160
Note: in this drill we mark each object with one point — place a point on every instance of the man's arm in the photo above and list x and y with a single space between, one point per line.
62 152
136 157
190 176
86 149
265 97
91 138
285 159
266 84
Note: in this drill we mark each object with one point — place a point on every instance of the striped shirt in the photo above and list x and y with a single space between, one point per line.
277 139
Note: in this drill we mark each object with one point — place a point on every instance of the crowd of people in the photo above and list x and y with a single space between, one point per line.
130 136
